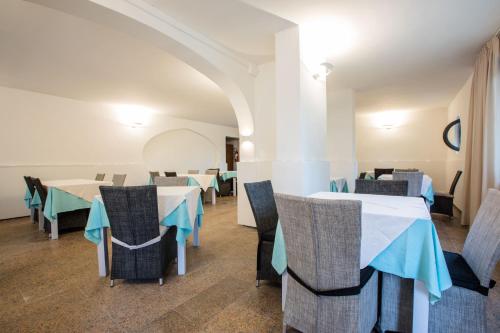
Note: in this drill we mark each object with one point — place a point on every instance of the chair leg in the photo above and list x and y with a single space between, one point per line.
111 283
257 283
160 280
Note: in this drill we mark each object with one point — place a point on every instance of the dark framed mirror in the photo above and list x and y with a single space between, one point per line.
452 135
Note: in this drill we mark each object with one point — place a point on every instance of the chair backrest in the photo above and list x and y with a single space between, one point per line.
171 181
170 174
118 180
261 197
482 246
30 185
406 170
154 174
455 181
379 172
323 240
212 171
132 212
362 175
382 187
414 181
42 191
193 172
100 176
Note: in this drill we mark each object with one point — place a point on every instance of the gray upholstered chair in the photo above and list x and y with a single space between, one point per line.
133 217
406 170
414 181
171 181
261 198
462 308
382 187
118 180
193 172
100 176
326 290
154 174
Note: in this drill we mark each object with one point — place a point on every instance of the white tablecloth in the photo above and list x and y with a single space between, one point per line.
384 218
82 188
205 181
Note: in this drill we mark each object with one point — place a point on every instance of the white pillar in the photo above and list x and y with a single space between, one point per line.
300 167
342 135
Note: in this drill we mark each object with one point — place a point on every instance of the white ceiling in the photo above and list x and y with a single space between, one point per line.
407 54
51 52
411 54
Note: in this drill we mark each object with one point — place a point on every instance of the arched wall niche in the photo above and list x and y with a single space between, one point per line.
180 150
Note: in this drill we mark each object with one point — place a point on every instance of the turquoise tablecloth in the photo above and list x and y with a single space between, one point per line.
213 183
98 219
429 195
415 254
27 198
333 187
58 202
229 174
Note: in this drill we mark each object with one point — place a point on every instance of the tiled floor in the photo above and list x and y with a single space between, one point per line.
53 285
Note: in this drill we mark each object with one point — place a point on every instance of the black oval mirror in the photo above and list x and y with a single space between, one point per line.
454 143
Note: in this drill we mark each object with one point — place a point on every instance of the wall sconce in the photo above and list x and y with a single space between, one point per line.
324 70
389 120
134 116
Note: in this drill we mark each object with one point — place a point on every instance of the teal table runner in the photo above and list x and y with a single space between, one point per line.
59 201
27 198
415 254
229 174
179 217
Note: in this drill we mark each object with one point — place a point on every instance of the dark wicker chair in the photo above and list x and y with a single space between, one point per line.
170 174
362 175
382 187
443 202
224 186
31 188
261 197
133 217
100 176
66 221
379 172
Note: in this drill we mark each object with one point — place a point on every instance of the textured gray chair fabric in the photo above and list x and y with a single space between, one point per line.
212 172
100 176
462 308
261 198
133 217
154 174
382 187
118 180
171 181
414 181
406 170
193 172
323 244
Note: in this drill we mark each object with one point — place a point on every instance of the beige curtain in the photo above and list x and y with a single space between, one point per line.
482 156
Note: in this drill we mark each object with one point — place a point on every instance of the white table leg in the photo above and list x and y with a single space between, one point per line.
234 186
196 238
214 195
181 259
54 229
420 308
102 253
41 219
284 282
32 214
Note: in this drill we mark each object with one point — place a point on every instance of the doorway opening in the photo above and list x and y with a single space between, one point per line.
232 153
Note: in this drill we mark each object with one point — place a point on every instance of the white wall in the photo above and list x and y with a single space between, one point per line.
459 107
416 142
53 138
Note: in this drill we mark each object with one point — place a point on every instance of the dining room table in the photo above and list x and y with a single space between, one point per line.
65 195
225 175
179 206
397 237
204 182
